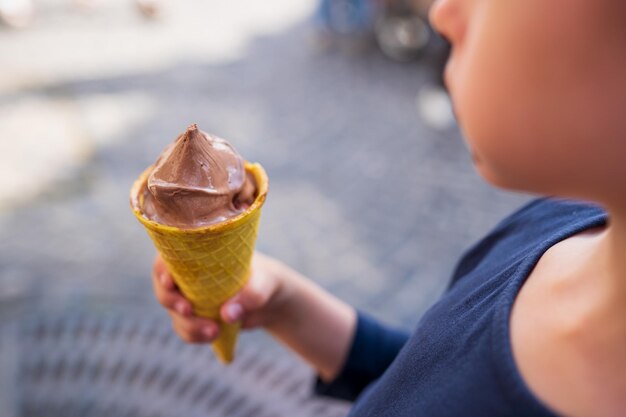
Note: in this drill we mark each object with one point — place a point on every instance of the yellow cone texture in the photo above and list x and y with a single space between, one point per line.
212 263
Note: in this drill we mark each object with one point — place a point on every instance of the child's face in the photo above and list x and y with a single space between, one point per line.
539 88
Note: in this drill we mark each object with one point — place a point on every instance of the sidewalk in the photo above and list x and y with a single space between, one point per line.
364 198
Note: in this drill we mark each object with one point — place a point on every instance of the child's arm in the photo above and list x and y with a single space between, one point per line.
313 323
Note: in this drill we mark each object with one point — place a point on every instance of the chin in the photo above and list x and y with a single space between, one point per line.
490 176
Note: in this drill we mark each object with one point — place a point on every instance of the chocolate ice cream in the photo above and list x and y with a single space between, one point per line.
198 180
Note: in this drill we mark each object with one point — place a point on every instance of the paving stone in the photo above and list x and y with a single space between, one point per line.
361 191
364 197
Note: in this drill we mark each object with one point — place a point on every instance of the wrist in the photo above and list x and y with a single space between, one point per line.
312 322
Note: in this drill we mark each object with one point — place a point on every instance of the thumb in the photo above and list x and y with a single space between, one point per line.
232 310
254 296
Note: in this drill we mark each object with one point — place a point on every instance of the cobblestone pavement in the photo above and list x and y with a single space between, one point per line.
364 198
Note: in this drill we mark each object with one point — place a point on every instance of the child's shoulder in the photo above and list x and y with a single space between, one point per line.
558 337
550 210
526 230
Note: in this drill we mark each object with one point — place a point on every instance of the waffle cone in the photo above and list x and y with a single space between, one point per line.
209 264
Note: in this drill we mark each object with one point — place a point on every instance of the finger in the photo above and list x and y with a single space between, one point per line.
162 273
171 299
195 329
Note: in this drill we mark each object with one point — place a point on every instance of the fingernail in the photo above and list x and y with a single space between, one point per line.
208 332
181 307
234 311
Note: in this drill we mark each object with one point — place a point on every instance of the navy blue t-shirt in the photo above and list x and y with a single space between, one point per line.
458 361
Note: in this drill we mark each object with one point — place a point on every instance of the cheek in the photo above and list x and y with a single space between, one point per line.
508 103
493 113
541 101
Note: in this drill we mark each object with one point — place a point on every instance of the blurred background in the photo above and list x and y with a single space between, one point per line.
372 193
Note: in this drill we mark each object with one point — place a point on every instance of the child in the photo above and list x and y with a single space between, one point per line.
534 321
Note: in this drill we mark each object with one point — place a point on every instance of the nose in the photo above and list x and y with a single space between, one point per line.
446 18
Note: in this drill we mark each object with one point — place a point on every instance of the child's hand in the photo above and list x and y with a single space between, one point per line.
298 313
254 306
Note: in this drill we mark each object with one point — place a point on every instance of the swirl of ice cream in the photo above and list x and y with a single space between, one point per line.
198 180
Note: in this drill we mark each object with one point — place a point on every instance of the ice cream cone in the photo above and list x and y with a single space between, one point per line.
210 264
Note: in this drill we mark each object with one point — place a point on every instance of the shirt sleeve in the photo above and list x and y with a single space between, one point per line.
374 347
